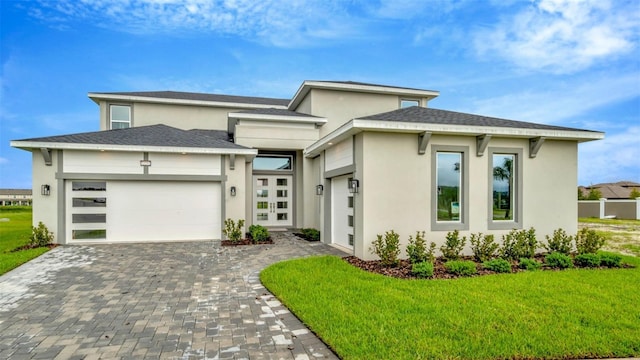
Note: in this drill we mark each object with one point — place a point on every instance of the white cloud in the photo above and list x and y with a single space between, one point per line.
563 36
4 160
613 159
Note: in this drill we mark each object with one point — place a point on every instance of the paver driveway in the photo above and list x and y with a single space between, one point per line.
180 300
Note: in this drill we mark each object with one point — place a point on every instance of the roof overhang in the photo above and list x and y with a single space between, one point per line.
306 86
279 118
97 97
359 125
35 145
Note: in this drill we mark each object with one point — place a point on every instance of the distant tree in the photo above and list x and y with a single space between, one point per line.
581 195
634 194
594 194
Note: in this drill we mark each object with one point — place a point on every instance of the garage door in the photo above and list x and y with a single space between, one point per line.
143 210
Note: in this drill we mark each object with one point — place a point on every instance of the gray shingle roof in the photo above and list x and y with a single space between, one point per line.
435 116
277 112
178 95
152 135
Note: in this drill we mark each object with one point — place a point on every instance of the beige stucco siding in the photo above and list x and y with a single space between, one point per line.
275 135
103 162
235 206
45 208
192 164
181 116
396 187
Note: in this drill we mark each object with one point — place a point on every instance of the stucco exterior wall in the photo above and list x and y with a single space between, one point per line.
396 188
234 206
275 135
45 208
181 116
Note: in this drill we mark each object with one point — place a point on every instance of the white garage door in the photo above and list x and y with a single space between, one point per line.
144 211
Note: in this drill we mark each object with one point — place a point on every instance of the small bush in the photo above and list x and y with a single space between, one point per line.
560 242
422 270
417 249
498 265
258 233
587 260
387 248
519 244
232 230
461 268
484 247
40 236
588 241
529 264
558 261
453 246
610 260
311 234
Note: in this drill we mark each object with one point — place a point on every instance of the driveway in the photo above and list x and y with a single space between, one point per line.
179 300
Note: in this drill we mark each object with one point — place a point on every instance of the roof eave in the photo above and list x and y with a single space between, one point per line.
96 97
282 118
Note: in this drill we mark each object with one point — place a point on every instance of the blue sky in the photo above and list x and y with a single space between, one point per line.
557 62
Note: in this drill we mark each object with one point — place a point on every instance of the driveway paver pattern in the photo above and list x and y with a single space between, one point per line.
178 300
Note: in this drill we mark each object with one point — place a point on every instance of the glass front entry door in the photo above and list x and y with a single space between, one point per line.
272 200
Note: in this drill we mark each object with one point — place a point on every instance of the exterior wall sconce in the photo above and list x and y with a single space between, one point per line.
233 191
353 186
45 190
319 189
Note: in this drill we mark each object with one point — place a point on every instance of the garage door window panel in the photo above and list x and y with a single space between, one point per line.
89 234
89 218
89 202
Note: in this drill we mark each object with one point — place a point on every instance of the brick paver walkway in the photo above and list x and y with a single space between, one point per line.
180 300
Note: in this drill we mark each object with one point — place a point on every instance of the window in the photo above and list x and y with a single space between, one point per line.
450 179
273 163
505 188
89 202
405 103
89 186
89 218
120 116
89 234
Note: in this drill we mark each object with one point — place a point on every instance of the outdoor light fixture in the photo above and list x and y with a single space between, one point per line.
319 189
233 191
45 190
353 186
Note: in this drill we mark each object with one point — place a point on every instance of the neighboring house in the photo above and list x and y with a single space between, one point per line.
10 197
351 159
612 191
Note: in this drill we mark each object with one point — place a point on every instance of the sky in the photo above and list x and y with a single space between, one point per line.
568 63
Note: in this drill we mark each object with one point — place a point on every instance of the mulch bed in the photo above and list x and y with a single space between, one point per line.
246 241
304 237
29 247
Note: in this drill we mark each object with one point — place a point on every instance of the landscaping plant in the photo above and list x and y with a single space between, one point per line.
529 264
559 242
461 268
610 260
40 236
588 241
233 230
387 248
258 233
519 244
423 269
453 245
498 265
417 249
587 260
558 260
483 247
311 234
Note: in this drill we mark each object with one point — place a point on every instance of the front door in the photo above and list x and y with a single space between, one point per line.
341 212
272 200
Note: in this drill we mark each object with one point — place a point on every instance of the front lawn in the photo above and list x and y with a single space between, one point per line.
14 233
569 314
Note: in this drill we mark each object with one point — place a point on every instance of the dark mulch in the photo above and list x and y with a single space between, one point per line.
28 247
305 237
246 241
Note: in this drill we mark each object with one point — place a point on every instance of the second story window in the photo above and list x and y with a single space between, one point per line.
120 116
404 103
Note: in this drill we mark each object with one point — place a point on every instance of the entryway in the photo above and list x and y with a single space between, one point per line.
341 212
272 200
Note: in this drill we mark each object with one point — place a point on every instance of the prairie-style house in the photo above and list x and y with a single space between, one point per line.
350 159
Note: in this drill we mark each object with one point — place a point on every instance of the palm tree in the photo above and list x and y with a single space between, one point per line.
504 172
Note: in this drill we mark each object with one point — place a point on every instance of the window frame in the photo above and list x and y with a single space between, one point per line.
111 121
516 195
403 100
463 222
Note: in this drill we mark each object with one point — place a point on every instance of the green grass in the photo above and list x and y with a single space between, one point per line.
544 314
13 234
635 224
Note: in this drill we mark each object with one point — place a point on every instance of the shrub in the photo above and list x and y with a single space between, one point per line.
387 248
519 244
417 249
232 230
610 260
484 247
311 234
258 233
423 269
560 242
588 241
461 268
498 265
40 236
431 253
529 264
587 260
453 245
558 260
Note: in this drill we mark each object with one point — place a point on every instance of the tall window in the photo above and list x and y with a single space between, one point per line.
505 183
450 182
120 116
